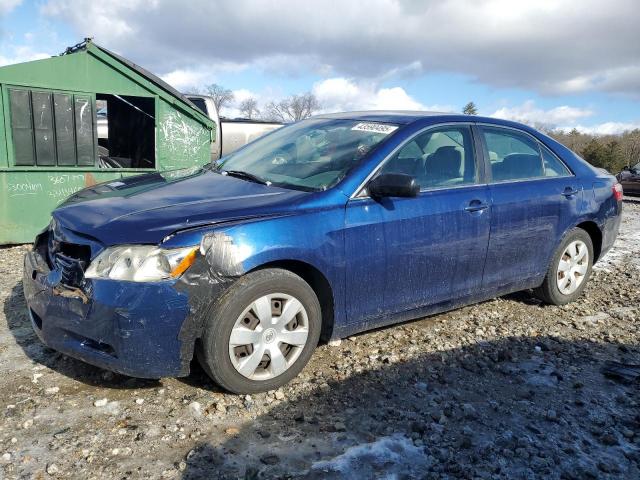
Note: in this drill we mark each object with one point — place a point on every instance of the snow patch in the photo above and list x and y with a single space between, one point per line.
625 247
388 457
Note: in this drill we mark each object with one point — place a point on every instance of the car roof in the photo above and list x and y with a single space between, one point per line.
405 117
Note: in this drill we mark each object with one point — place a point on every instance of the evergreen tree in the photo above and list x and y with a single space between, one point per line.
615 157
595 154
470 109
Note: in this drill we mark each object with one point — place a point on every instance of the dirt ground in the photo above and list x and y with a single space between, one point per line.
508 388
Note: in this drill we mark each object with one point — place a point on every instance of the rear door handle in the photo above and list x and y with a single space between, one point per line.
476 206
570 192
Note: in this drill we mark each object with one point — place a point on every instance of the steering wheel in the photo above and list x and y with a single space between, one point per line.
281 157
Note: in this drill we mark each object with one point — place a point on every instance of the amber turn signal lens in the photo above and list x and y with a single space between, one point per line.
184 264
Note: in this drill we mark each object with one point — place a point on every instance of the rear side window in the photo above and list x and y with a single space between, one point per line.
438 158
553 167
513 155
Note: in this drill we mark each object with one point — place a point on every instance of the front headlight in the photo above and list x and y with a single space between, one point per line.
141 263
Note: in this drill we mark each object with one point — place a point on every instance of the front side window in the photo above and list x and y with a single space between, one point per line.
441 157
513 155
310 155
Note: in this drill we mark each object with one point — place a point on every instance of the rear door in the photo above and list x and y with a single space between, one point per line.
534 199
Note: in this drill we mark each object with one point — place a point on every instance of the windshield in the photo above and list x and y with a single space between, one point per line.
310 155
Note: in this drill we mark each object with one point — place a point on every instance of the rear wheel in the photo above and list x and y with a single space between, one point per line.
570 269
262 332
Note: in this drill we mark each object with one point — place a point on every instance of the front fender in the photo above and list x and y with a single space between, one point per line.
315 238
231 250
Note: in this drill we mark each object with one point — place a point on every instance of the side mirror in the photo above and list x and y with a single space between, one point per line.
393 185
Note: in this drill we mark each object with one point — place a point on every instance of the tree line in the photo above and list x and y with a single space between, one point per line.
611 152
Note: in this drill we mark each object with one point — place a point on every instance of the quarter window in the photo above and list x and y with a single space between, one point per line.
437 158
513 155
553 167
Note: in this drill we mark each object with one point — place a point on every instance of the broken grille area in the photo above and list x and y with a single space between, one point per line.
70 259
71 270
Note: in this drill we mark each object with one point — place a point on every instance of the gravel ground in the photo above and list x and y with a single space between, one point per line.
508 388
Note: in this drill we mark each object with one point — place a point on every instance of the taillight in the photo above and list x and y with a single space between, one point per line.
617 192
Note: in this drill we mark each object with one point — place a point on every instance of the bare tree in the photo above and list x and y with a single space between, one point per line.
221 96
249 108
293 108
631 147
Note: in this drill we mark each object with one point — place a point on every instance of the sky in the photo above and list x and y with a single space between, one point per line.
562 64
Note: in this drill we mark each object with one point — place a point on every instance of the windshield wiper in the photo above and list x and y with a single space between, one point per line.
246 175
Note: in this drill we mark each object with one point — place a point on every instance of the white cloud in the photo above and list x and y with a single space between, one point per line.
185 80
549 46
563 117
626 78
110 17
191 79
344 94
242 94
21 54
6 6
606 128
529 113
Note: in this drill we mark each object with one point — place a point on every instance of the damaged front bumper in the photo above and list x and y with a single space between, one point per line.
144 330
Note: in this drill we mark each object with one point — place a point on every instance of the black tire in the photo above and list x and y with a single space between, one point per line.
213 350
549 292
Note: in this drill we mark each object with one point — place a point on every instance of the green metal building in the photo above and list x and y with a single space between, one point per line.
81 118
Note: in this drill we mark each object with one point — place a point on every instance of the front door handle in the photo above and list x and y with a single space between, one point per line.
476 206
570 192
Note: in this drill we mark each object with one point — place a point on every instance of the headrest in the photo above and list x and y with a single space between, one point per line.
522 165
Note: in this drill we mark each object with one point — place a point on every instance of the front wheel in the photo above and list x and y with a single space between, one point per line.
262 333
570 269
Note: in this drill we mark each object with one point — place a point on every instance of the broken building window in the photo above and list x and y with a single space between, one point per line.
126 131
51 128
61 129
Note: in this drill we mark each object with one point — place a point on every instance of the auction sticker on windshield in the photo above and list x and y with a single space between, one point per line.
374 127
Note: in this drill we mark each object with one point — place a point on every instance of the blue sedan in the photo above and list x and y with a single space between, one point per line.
324 228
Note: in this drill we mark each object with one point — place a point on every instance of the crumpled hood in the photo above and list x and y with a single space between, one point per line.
146 208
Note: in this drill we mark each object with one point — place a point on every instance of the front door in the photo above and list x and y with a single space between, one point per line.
405 253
